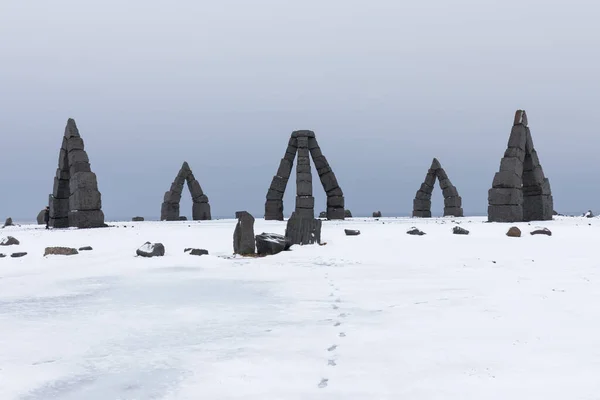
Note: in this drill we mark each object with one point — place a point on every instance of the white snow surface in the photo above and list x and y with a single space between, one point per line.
383 315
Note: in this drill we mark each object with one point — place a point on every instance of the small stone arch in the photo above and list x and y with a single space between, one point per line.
422 201
170 206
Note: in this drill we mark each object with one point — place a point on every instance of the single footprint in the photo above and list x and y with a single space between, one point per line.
338 300
331 363
332 348
323 383
337 324
334 307
342 334
342 315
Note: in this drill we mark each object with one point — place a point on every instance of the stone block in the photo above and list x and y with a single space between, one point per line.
71 129
195 189
59 222
61 189
537 208
243 235
320 162
304 177
79 167
285 168
302 143
278 183
312 143
303 169
302 160
201 199
83 180
520 118
335 201
305 202
274 210
435 165
172 197
85 200
453 212
201 211
505 213
506 179
441 174
336 213
444 183
533 178
293 142
324 170
329 181
453 202
274 195
430 179
169 212
303 134
518 137
426 188
512 164
421 204
528 142
450 191
77 156
543 189
290 153
335 192
422 195
63 160
515 152
59 208
304 188
86 219
505 196
63 174
75 143
421 214
316 152
305 212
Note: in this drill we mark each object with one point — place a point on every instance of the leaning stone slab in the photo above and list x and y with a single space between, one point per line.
243 236
271 244
9 241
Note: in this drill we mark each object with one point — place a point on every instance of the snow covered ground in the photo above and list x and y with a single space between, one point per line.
383 315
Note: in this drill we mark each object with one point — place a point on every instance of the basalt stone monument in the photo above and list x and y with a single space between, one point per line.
75 200
304 144
422 201
170 207
520 191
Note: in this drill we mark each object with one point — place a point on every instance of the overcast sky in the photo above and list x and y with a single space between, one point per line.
386 85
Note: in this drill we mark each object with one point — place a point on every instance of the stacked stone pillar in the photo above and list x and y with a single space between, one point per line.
422 201
200 206
75 200
305 145
520 191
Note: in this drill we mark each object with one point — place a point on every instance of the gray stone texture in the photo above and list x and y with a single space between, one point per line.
422 201
75 199
243 236
170 209
302 230
520 191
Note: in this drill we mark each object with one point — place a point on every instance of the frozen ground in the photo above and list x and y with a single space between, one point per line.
383 315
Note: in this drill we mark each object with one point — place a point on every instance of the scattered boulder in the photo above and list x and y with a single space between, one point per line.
542 231
8 222
514 232
347 214
352 232
60 251
196 252
271 243
40 217
589 214
151 250
415 231
323 214
17 255
457 230
2 255
9 241
86 248
377 214
137 219
243 235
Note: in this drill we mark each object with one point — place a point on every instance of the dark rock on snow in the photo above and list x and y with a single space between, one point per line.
8 222
415 231
347 214
9 241
377 214
514 232
137 219
323 214
151 250
271 243
543 231
17 255
352 232
196 252
60 251
243 236
457 230
86 248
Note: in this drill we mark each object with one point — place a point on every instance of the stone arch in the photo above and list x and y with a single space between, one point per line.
520 190
170 206
75 200
422 201
304 144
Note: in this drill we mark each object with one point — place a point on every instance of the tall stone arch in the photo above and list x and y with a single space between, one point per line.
304 144
170 206
75 200
422 201
520 190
